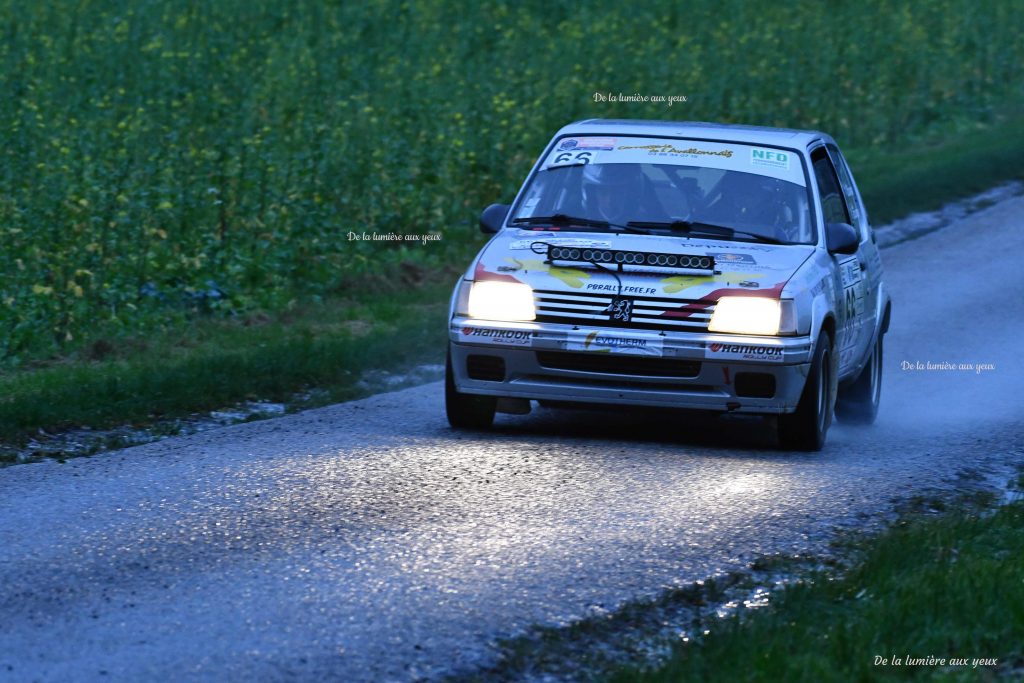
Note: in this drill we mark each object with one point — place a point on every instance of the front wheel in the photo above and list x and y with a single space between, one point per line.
805 429
465 410
858 403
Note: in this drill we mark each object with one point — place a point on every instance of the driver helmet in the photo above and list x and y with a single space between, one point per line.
611 191
758 199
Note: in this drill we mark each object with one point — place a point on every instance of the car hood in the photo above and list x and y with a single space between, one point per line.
742 268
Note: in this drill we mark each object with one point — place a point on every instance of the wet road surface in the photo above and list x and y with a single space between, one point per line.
369 542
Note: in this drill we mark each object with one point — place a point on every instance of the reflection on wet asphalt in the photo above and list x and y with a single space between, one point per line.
368 541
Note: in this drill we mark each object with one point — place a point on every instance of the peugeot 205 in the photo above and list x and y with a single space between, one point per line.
676 265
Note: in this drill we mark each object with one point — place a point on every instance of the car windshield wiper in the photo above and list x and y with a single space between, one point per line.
558 166
686 226
762 238
697 227
563 219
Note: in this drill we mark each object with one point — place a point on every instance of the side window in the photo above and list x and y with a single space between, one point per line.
832 203
846 182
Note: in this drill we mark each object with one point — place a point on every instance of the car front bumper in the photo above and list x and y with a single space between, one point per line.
544 361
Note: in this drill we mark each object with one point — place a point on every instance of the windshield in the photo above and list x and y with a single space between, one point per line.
752 190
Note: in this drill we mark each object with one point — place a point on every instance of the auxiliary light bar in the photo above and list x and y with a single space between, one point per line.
635 258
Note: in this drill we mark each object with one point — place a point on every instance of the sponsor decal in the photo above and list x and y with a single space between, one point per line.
627 289
579 144
579 242
771 158
481 273
672 149
850 271
727 351
597 143
734 247
610 341
784 165
569 276
678 283
485 335
733 258
825 283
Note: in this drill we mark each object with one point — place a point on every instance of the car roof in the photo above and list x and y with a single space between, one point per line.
726 132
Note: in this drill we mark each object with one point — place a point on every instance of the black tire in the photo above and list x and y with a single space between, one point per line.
465 411
805 429
857 403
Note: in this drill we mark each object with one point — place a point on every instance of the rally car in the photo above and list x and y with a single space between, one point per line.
683 265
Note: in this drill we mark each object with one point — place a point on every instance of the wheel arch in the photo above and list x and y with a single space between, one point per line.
828 324
823 319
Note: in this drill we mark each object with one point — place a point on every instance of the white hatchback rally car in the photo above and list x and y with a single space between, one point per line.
678 265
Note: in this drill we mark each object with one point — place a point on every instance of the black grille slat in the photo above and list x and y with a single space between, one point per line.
618 364
635 324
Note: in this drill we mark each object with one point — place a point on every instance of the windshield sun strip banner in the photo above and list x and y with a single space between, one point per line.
767 161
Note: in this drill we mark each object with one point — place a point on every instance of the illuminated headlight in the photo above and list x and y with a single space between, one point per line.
501 301
753 315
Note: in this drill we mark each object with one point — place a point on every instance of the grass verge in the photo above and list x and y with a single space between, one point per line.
215 363
210 364
931 173
936 597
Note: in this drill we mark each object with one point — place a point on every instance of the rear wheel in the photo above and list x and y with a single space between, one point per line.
858 403
465 410
806 428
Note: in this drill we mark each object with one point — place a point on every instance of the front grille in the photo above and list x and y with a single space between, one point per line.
487 368
618 364
649 313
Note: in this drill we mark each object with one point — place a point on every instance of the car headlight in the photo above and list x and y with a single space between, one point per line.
753 315
501 301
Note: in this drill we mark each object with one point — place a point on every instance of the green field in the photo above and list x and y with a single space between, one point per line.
173 160
178 180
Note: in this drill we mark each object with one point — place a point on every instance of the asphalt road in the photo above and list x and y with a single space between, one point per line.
368 541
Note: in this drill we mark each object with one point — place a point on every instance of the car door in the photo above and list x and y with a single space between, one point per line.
870 261
849 279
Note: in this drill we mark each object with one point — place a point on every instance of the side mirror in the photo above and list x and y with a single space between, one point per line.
841 238
493 217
